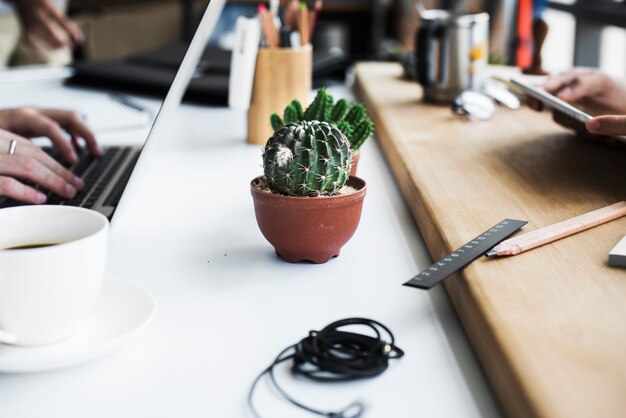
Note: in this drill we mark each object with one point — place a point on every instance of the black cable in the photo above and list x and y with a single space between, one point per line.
333 355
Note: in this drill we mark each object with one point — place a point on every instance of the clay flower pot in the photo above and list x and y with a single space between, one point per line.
308 228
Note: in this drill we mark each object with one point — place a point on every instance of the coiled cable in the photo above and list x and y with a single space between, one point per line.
335 355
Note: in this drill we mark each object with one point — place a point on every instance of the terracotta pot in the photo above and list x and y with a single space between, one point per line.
308 228
355 162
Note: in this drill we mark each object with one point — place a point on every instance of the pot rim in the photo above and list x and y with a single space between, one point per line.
360 186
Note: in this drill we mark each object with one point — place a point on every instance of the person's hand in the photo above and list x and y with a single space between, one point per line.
53 123
595 92
42 20
30 163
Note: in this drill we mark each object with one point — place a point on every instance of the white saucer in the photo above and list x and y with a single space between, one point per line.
122 310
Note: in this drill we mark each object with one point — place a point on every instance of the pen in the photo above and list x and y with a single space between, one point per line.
304 23
285 37
315 15
274 4
291 14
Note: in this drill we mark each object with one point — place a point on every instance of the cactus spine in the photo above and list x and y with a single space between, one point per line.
307 158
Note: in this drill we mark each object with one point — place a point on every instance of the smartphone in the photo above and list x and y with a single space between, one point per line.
552 101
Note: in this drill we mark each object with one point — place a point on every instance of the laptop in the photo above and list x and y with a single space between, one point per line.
151 73
108 178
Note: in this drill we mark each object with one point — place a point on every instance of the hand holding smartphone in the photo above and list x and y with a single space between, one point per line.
552 101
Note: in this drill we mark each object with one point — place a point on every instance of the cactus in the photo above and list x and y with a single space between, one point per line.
276 121
351 120
293 112
361 132
307 158
298 107
320 108
355 114
339 111
345 129
290 115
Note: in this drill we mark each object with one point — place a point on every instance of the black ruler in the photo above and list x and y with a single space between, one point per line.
466 254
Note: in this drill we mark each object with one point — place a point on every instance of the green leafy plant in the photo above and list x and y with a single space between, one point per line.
307 158
350 118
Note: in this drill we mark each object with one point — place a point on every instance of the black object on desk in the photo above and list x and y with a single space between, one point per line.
334 354
152 73
465 254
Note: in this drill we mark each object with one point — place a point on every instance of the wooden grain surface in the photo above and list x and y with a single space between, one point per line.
549 325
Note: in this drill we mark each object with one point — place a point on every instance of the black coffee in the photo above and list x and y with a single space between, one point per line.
26 246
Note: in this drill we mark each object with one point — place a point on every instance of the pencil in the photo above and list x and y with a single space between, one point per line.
291 14
269 30
315 15
304 23
559 230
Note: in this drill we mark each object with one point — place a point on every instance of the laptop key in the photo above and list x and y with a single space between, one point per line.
9 203
54 199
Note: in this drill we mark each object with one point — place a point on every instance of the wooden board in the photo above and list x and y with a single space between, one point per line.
549 325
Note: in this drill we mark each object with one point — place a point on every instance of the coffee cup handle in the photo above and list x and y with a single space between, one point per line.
7 338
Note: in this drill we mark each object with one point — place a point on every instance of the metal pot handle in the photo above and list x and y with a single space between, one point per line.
424 54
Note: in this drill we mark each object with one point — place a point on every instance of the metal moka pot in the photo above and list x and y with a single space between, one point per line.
451 53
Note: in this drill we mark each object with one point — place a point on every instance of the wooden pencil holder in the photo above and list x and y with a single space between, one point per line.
281 75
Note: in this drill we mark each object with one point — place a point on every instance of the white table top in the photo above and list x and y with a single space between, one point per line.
227 305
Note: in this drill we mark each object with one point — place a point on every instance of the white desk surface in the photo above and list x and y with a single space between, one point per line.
227 305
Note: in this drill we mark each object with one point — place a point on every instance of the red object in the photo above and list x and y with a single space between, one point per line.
524 56
308 228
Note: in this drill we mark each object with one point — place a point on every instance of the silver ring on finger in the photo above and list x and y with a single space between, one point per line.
12 146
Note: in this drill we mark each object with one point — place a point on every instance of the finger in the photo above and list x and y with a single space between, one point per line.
12 188
31 169
44 125
586 86
66 24
75 126
555 83
31 43
53 165
607 125
47 31
534 104
76 141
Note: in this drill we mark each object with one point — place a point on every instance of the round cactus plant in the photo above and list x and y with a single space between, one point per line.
307 158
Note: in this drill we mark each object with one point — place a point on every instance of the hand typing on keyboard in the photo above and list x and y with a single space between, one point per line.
24 167
55 124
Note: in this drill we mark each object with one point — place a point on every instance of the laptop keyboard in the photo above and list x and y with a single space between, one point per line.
97 173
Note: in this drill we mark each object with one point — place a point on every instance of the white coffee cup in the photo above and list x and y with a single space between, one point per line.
47 292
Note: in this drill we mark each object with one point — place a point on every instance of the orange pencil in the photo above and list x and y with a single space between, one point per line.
269 30
304 24
559 230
